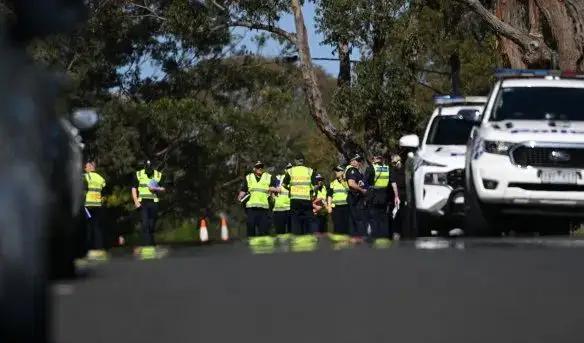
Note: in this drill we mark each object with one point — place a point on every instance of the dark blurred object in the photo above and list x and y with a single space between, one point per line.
40 18
40 169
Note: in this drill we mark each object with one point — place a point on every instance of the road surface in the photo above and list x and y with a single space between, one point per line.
505 290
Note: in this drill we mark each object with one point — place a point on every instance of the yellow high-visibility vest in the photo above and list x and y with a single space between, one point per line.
300 182
143 181
381 176
95 184
282 202
321 194
259 191
340 192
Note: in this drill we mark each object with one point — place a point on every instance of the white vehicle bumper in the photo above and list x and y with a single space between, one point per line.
520 186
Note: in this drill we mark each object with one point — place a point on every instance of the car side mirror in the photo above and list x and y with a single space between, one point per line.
473 116
84 118
409 141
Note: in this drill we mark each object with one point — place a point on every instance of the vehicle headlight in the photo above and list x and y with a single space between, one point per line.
435 179
497 147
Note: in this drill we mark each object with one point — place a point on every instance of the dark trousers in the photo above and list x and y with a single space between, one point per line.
379 221
258 222
149 214
94 233
398 222
282 222
358 217
321 223
303 219
341 219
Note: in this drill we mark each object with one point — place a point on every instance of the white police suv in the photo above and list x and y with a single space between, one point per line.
435 173
525 161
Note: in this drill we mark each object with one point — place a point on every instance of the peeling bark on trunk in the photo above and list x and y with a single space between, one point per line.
527 46
562 28
511 12
535 27
343 141
534 50
576 12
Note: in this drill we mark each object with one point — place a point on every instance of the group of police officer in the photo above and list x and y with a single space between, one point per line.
296 203
361 202
146 187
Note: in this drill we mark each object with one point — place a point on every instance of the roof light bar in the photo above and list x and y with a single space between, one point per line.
571 74
509 73
453 100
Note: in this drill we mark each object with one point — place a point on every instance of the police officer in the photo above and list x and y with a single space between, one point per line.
398 210
257 187
356 199
282 221
300 180
94 184
320 205
145 190
377 200
337 198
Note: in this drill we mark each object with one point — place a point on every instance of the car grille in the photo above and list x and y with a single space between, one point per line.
553 157
455 178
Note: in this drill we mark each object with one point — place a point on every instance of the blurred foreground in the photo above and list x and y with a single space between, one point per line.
499 290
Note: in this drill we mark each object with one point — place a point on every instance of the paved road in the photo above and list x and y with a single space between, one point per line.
522 290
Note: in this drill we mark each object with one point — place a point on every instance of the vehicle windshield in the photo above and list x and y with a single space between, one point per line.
449 130
539 103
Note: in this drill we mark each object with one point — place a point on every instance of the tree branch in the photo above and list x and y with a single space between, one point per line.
149 10
265 27
430 87
430 71
500 27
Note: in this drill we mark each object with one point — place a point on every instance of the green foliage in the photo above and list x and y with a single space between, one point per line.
209 114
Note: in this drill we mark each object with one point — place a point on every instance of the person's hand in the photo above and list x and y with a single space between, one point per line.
396 201
137 204
329 209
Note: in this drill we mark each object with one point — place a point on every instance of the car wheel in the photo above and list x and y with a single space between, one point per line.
480 220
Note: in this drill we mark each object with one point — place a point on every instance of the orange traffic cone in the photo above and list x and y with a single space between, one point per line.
203 233
224 229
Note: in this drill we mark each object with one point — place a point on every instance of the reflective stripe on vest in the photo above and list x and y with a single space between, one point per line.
95 184
282 202
259 191
340 192
300 182
381 176
143 189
